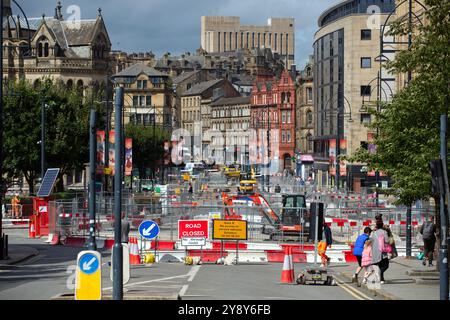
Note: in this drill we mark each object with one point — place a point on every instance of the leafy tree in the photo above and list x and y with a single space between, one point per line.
409 125
147 146
66 122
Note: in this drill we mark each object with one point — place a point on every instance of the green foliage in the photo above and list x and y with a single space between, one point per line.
66 128
409 125
147 145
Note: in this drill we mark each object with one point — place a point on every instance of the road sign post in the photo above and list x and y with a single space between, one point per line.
88 279
92 245
118 254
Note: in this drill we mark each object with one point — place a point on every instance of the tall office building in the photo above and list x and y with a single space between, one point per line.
221 34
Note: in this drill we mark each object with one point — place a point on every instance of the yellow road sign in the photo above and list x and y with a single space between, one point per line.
229 229
88 279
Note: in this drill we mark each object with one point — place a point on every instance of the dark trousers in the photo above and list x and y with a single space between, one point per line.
383 265
428 248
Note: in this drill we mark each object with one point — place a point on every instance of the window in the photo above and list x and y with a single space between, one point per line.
309 92
46 50
366 91
365 118
309 118
366 34
138 118
149 100
146 119
142 101
283 136
288 117
288 136
135 100
40 49
366 63
283 117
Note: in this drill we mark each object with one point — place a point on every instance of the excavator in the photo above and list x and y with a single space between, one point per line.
289 224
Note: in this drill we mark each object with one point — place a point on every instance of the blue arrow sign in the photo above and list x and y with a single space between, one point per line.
88 263
149 229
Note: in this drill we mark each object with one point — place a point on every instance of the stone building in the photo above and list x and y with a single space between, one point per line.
147 96
305 121
230 129
196 110
273 112
75 53
345 47
222 34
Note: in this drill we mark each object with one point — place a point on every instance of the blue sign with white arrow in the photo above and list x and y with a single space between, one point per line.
89 263
149 229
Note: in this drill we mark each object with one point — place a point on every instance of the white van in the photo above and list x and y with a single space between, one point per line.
193 168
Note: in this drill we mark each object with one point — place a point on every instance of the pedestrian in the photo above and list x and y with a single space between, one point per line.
380 247
366 260
428 232
358 250
125 229
15 204
326 240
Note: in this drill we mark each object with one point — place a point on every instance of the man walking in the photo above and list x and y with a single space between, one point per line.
428 232
326 240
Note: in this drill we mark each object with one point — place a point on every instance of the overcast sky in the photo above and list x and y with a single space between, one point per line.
174 25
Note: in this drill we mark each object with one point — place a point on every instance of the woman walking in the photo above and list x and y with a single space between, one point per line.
380 247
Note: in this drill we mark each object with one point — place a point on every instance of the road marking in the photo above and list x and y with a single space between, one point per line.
354 292
183 290
149 281
193 272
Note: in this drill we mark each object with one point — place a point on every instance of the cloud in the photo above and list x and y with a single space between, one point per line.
174 25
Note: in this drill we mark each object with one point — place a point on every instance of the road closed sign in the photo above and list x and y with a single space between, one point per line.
229 229
193 229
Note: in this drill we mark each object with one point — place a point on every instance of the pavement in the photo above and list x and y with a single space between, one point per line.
18 254
406 279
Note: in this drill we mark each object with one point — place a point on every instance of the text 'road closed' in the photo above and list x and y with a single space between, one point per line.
230 229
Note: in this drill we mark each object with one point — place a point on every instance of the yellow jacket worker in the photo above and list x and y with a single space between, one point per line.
15 203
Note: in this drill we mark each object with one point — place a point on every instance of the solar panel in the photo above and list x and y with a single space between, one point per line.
48 182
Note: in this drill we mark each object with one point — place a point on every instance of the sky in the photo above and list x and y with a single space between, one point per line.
174 25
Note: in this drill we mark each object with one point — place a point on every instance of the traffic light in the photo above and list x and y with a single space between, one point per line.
437 177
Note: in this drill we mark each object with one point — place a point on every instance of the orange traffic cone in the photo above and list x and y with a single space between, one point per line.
134 254
31 229
287 275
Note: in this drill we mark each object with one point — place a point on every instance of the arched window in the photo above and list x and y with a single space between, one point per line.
46 50
309 118
308 72
40 51
309 142
283 97
69 84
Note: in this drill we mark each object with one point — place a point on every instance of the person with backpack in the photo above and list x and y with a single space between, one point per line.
428 232
358 250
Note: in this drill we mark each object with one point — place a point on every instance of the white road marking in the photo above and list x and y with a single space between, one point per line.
183 290
193 272
149 281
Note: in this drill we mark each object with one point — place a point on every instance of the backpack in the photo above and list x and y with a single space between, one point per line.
428 231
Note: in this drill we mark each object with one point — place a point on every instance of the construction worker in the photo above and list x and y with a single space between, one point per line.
325 242
15 204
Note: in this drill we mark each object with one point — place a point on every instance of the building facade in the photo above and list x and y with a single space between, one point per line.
273 120
305 122
230 129
74 53
148 96
196 111
221 34
345 73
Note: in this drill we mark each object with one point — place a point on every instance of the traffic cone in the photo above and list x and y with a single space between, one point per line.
134 254
287 275
31 229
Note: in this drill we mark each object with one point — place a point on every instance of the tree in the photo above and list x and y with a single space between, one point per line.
409 125
147 146
67 128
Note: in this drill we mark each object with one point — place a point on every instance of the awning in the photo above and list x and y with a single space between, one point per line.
306 158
